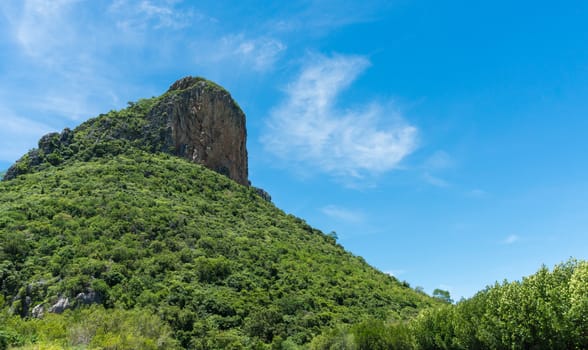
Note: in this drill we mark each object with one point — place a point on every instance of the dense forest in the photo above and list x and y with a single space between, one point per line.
547 310
155 236
106 243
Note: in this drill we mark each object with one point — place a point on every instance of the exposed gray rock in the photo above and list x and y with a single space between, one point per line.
50 144
90 297
60 306
38 311
263 194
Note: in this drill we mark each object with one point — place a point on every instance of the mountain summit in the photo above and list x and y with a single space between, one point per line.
195 119
119 224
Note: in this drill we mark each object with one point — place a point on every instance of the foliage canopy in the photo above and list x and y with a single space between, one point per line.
213 260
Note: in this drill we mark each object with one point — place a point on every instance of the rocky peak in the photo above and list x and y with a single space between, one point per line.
185 82
195 119
206 126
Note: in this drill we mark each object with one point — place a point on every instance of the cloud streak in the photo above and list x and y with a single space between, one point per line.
79 63
310 127
511 239
435 180
158 15
257 53
39 27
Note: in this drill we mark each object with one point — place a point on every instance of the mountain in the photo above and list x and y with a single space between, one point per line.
138 229
195 119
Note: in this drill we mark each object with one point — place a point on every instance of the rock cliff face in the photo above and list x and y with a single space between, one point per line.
195 119
206 126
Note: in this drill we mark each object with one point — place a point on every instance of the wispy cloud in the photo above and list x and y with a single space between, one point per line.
438 161
65 77
79 64
318 18
435 180
142 15
310 127
262 52
39 27
258 53
435 163
208 40
511 239
343 214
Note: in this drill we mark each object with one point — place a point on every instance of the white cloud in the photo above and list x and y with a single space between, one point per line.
318 18
40 28
262 52
511 239
256 53
310 128
138 16
208 41
68 75
343 214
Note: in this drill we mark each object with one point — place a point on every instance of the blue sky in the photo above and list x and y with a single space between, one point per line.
445 142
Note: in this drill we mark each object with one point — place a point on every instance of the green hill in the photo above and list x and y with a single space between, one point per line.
143 249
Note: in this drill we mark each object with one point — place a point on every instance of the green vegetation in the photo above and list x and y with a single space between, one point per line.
548 310
93 327
155 234
109 134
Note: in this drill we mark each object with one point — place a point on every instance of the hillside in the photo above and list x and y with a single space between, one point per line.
101 216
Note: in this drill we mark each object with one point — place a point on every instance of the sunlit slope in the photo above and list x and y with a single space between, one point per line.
155 232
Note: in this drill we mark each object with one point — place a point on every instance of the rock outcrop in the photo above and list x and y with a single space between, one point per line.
207 127
60 306
195 119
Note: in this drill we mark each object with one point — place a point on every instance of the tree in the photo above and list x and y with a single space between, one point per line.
442 295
